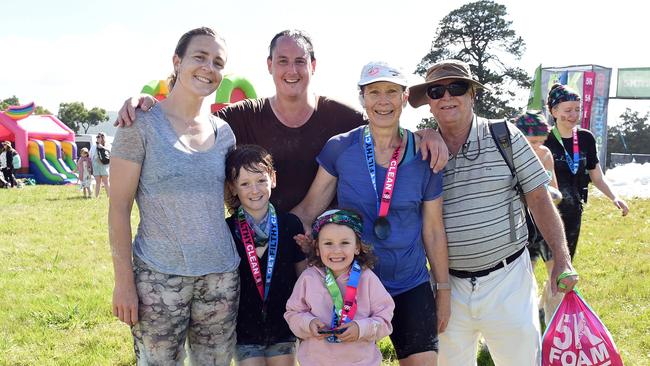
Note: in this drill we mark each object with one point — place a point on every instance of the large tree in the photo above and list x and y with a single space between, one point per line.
77 117
94 117
73 115
479 34
630 136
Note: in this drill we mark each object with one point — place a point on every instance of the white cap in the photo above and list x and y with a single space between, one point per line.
381 71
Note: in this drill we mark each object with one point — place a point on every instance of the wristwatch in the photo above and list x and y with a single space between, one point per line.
442 286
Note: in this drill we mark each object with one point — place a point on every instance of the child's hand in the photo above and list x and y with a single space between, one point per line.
351 333
304 242
314 326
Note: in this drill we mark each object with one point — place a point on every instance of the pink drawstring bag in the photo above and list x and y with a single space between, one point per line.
576 337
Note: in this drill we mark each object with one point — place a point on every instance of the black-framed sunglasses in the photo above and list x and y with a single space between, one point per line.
455 89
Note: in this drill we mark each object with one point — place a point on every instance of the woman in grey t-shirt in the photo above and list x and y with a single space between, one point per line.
178 278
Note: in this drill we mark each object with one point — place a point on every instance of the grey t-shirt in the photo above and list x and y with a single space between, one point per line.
182 227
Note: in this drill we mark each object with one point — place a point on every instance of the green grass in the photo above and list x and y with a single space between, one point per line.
56 279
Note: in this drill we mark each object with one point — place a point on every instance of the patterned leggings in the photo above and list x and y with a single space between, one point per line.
201 309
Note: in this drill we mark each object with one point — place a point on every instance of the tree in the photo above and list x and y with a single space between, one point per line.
73 115
4 104
634 130
41 110
14 101
94 117
479 34
76 116
427 123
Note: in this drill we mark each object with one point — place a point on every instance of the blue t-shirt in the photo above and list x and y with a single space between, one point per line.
402 259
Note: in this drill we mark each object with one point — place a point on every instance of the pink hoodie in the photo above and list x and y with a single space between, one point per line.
310 299
84 160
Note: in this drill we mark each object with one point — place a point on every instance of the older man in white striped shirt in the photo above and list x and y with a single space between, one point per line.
494 293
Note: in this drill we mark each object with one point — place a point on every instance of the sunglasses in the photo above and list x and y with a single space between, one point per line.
455 89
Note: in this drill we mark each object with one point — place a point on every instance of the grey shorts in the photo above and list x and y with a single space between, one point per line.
173 309
244 351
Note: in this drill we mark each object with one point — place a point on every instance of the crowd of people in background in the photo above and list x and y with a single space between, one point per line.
291 266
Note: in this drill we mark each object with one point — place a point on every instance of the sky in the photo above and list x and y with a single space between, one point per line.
100 53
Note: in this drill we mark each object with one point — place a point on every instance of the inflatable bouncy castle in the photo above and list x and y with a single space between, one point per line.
232 89
45 144
156 88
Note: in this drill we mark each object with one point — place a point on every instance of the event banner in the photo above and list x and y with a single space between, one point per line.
592 82
589 78
633 83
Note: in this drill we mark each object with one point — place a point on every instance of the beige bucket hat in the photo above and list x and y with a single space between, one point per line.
442 70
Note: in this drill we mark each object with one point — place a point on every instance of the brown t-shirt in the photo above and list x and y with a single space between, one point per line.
294 150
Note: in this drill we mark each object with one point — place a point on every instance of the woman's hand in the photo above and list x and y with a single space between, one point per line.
351 333
125 303
621 205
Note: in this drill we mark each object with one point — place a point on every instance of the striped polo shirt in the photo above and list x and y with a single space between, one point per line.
478 196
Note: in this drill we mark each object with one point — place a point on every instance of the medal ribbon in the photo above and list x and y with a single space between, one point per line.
575 162
249 245
391 172
344 309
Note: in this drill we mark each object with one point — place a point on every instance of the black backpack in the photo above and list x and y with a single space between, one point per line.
501 137
104 154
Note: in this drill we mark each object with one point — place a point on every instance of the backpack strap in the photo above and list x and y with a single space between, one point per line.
501 137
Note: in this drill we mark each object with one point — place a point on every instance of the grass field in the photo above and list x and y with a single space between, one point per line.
56 279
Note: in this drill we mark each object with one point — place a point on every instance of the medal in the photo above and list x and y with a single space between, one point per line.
381 227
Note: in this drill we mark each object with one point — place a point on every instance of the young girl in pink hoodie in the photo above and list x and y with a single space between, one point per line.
85 170
338 307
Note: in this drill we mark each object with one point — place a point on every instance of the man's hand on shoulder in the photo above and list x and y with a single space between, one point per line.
126 115
432 145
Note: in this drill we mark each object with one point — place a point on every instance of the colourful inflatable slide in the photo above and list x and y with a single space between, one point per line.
40 167
43 141
69 151
54 154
